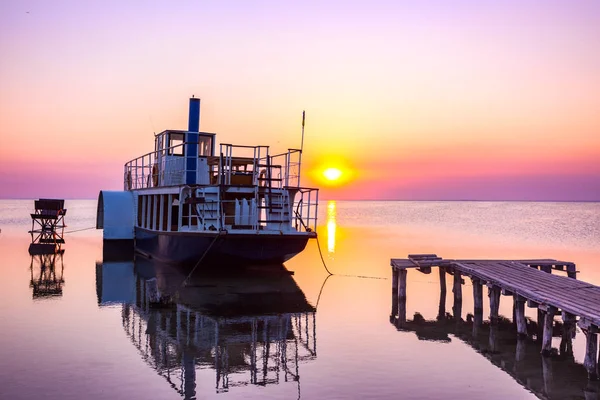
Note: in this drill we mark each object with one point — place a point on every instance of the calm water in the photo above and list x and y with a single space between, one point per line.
83 330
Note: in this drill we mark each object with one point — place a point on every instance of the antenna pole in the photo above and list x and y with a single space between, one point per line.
301 147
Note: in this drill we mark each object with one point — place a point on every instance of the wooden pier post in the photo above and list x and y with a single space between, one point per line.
494 293
457 290
477 298
477 306
402 295
590 361
566 342
541 315
548 325
546 268
493 340
572 271
457 287
442 272
519 303
394 281
442 305
591 391
520 351
547 375
394 293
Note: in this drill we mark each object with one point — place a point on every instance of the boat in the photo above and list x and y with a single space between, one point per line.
189 202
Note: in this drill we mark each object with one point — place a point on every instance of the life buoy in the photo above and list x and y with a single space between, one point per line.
155 175
128 180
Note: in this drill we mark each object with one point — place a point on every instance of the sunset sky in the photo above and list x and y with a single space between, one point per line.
432 100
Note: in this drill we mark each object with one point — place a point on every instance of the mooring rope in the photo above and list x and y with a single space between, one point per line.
346 275
322 259
79 230
185 281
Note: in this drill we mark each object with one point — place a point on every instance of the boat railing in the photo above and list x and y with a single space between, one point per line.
305 209
240 163
157 168
285 168
256 215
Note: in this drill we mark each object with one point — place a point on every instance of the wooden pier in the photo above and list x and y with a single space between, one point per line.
528 282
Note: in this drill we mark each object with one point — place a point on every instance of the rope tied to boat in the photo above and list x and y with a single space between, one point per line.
186 280
80 230
331 273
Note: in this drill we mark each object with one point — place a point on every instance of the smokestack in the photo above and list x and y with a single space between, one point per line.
194 118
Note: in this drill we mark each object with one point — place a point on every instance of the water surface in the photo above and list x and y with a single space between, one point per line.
83 330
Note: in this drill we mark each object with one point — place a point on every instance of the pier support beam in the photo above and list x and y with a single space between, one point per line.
520 320
520 351
546 268
566 342
572 271
541 315
548 326
477 306
547 375
493 339
394 293
442 272
494 293
442 306
402 295
457 290
590 361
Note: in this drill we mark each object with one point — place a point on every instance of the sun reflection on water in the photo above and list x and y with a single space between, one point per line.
331 226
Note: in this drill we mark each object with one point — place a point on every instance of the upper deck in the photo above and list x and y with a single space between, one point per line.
177 161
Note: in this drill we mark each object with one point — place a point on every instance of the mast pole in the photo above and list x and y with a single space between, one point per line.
301 147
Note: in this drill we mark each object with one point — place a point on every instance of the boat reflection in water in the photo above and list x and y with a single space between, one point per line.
45 281
252 327
555 377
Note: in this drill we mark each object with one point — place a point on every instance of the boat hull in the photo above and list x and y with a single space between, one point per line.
219 248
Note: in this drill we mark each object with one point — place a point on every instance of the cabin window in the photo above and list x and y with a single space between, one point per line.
204 146
176 144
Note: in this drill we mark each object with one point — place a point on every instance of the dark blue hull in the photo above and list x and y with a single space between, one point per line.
218 248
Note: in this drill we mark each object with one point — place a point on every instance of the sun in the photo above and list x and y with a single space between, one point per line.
332 174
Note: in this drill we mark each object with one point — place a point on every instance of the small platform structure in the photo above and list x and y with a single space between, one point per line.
47 226
528 282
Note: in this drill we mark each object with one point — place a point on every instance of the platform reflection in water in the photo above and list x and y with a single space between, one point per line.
47 274
253 327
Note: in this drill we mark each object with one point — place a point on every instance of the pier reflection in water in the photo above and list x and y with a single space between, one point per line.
47 274
250 328
555 377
